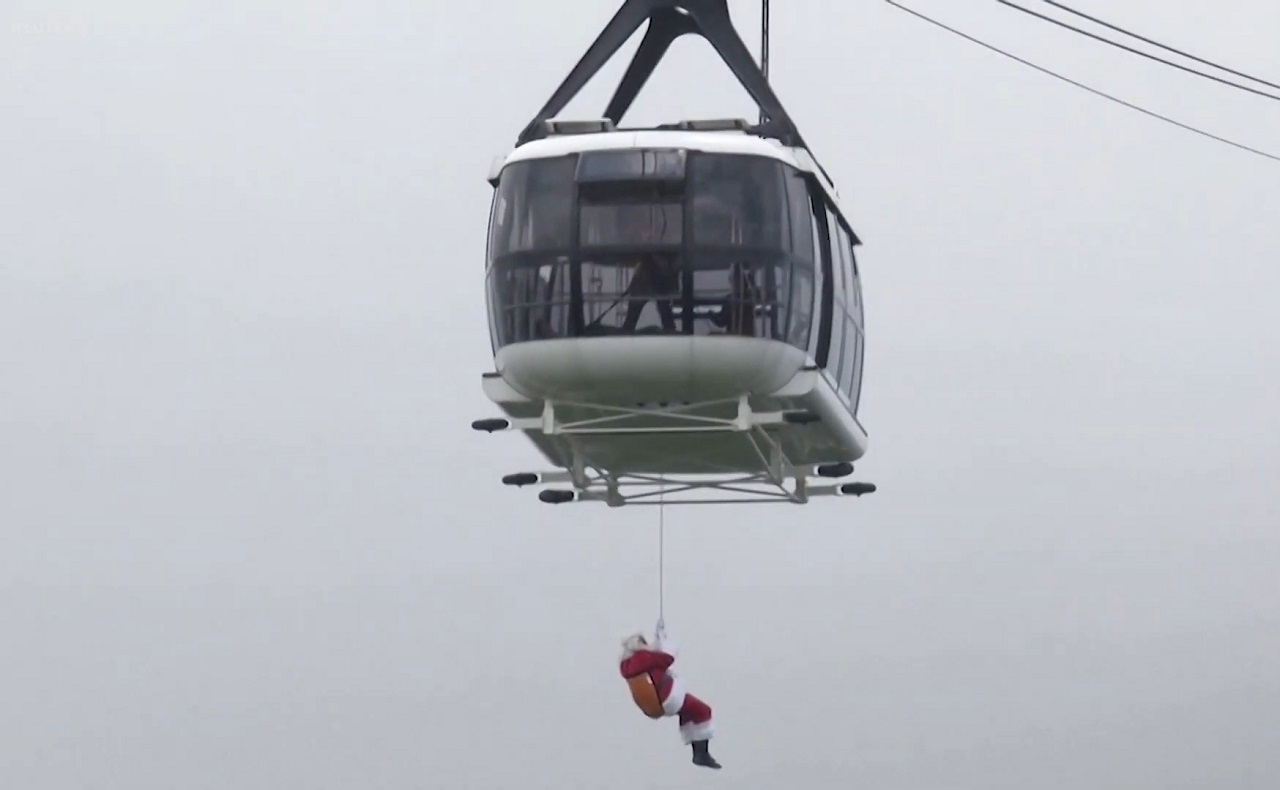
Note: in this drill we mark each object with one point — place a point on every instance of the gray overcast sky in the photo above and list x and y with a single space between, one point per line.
247 539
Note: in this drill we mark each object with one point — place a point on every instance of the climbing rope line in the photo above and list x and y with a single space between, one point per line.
764 47
662 551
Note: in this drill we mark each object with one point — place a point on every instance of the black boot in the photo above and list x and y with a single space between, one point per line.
702 755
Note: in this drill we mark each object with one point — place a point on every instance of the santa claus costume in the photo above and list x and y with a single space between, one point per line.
659 692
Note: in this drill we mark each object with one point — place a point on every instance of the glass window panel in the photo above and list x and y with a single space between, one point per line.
800 307
740 294
849 357
630 224
631 165
836 352
631 294
532 207
855 389
818 280
738 200
839 259
803 242
531 298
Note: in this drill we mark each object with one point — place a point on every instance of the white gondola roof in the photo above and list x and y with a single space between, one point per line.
724 142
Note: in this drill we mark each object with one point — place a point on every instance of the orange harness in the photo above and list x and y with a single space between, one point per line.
645 695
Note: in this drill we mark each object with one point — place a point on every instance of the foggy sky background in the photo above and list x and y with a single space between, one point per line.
248 540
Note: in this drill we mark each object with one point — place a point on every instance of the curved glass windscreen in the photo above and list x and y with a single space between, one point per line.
651 242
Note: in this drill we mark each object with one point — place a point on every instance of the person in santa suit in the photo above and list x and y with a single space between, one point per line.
659 692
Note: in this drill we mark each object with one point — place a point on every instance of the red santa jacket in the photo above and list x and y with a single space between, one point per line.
646 674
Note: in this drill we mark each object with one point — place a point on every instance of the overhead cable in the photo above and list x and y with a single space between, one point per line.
1082 86
1139 52
1155 43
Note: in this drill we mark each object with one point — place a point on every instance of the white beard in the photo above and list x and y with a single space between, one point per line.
632 644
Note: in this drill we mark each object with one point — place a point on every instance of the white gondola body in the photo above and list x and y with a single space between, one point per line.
700 375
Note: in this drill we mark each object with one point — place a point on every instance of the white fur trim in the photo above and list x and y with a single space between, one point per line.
675 698
697 732
631 644
665 643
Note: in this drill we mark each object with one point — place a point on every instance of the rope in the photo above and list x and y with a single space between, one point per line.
662 530
764 46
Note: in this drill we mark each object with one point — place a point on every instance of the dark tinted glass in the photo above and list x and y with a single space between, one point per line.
630 224
738 200
629 165
747 253
631 294
740 294
800 299
532 207
800 211
530 298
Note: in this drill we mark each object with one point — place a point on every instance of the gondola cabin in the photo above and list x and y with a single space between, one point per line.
688 267
676 308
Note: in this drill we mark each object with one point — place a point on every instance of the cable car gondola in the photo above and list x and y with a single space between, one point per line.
674 309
